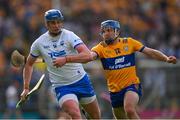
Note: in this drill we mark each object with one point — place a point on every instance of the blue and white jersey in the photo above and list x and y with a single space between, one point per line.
49 48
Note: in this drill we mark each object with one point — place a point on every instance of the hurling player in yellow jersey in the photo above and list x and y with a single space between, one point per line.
117 56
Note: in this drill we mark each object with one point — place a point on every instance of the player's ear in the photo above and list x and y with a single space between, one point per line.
117 32
62 25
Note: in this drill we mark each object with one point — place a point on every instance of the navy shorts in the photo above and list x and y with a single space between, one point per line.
117 98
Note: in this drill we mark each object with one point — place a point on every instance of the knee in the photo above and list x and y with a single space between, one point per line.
129 109
75 114
64 115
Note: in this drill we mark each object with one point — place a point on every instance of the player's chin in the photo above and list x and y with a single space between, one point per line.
55 32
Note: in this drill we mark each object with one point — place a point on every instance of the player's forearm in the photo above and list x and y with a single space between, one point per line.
155 54
79 58
27 72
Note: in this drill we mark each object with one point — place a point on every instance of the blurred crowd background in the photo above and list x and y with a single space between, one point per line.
156 23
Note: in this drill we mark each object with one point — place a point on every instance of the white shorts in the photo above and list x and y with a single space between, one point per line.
85 100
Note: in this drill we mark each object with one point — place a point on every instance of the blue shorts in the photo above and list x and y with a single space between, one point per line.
82 88
117 98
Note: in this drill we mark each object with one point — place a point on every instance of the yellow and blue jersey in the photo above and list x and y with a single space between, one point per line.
118 61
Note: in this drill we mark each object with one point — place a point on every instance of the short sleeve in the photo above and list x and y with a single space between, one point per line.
35 50
97 50
137 46
74 40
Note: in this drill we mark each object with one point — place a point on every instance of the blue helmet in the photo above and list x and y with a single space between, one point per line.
53 14
110 23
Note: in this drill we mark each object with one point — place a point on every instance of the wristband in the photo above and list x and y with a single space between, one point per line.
68 59
26 86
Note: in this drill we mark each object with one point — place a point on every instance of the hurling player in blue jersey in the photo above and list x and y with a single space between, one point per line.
69 80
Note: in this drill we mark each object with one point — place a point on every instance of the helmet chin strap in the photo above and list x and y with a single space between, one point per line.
109 41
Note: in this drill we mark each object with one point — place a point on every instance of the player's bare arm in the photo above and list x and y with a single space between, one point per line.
159 55
83 56
27 72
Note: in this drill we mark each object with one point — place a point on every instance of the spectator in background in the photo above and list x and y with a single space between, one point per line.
174 46
12 99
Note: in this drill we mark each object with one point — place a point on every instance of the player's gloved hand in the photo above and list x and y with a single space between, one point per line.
24 94
172 59
59 62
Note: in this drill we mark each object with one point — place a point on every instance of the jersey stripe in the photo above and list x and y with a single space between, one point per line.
119 62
